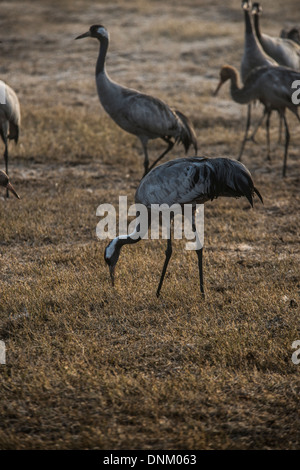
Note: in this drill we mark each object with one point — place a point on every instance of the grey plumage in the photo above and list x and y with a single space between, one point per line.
10 119
293 34
253 56
186 181
138 113
284 51
272 86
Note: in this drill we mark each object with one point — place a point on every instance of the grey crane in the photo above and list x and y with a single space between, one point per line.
293 34
140 114
284 51
185 181
10 118
272 86
5 183
253 56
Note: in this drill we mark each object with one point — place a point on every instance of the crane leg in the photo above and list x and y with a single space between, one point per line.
168 256
170 146
268 135
280 129
6 162
246 132
252 136
200 256
287 141
146 158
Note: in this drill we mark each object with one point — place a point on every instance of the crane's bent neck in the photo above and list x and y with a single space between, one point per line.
100 65
240 95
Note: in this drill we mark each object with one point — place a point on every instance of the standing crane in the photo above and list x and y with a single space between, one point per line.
253 57
5 183
185 181
10 118
140 114
272 86
284 51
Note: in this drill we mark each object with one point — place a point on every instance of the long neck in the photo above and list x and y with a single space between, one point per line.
240 95
257 27
130 239
248 25
100 66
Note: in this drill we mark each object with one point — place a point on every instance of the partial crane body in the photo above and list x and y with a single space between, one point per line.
293 34
284 51
10 118
185 181
272 86
5 183
138 113
253 56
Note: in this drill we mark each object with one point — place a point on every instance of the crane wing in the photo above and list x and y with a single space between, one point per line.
149 115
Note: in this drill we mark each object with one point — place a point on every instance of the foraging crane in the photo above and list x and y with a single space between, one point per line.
272 86
10 118
140 114
4 182
284 51
185 181
253 57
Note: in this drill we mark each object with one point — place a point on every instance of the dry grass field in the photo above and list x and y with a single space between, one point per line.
89 366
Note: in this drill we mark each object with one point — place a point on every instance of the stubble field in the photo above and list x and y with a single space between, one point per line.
89 366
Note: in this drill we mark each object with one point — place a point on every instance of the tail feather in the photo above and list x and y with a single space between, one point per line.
233 179
188 135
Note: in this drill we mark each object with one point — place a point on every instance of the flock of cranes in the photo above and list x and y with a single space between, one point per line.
268 68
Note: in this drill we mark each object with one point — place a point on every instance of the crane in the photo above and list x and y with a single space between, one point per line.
253 56
293 34
284 51
272 86
138 113
185 181
10 118
5 183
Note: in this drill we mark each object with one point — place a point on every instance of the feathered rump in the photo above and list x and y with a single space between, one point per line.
231 178
187 136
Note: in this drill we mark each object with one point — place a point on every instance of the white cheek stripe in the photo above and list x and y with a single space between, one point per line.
102 31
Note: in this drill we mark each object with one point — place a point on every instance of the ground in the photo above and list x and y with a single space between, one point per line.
89 366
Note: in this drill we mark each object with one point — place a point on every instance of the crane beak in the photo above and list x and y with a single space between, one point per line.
218 88
84 35
10 187
112 274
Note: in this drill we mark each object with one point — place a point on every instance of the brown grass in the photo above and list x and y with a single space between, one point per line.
92 367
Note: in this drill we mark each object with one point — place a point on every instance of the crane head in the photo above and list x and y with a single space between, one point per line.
96 31
111 256
256 8
4 181
246 5
227 72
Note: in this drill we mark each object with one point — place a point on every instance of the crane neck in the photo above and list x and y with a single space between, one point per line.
240 95
257 27
100 65
248 25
